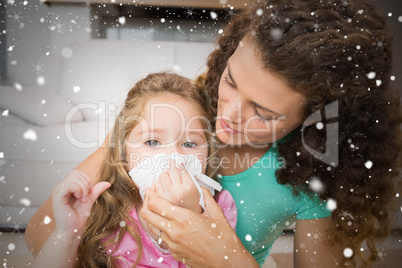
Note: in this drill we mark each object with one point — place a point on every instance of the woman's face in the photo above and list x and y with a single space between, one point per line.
255 106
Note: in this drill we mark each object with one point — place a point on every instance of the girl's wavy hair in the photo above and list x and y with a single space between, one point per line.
331 51
105 228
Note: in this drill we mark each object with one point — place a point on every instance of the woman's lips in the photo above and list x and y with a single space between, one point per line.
226 127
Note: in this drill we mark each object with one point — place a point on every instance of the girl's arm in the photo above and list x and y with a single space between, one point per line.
199 240
38 229
311 248
72 201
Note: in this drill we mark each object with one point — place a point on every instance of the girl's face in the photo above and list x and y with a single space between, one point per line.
168 123
255 106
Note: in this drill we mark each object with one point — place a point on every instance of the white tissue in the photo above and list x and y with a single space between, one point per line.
147 172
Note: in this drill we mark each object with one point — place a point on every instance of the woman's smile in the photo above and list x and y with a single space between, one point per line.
227 128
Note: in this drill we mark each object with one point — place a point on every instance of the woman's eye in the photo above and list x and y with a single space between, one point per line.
263 117
189 144
226 80
152 143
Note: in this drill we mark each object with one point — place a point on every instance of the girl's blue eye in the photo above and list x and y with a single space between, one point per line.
152 143
189 144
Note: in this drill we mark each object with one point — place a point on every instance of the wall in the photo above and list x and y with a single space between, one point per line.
34 30
393 10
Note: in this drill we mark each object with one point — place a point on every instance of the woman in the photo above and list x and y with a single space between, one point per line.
289 76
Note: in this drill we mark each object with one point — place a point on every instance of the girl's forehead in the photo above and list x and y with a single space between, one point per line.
170 103
173 109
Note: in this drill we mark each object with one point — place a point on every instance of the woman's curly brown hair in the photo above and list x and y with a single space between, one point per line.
333 52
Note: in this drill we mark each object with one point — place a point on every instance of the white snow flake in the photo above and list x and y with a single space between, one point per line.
5 113
40 80
47 220
316 185
76 89
368 164
213 15
122 20
25 201
11 246
259 12
331 204
276 34
67 52
18 86
248 237
30 134
371 75
176 68
348 252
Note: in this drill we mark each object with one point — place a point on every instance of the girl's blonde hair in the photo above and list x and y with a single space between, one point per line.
111 211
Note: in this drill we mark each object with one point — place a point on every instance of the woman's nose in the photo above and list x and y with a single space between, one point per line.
233 111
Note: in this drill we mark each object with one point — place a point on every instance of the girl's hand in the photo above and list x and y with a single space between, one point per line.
72 202
176 186
199 240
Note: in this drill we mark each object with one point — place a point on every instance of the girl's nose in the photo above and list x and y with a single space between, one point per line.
175 148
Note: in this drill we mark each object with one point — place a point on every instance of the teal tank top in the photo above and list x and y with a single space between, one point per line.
265 207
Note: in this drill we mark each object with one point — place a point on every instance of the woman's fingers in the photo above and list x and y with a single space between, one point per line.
158 219
212 208
174 173
163 207
164 182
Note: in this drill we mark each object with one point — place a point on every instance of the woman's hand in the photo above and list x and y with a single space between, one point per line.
199 240
72 202
176 186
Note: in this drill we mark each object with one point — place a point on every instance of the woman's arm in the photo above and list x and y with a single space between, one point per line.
38 230
199 240
311 248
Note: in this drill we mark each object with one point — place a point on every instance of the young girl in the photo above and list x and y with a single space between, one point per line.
163 113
